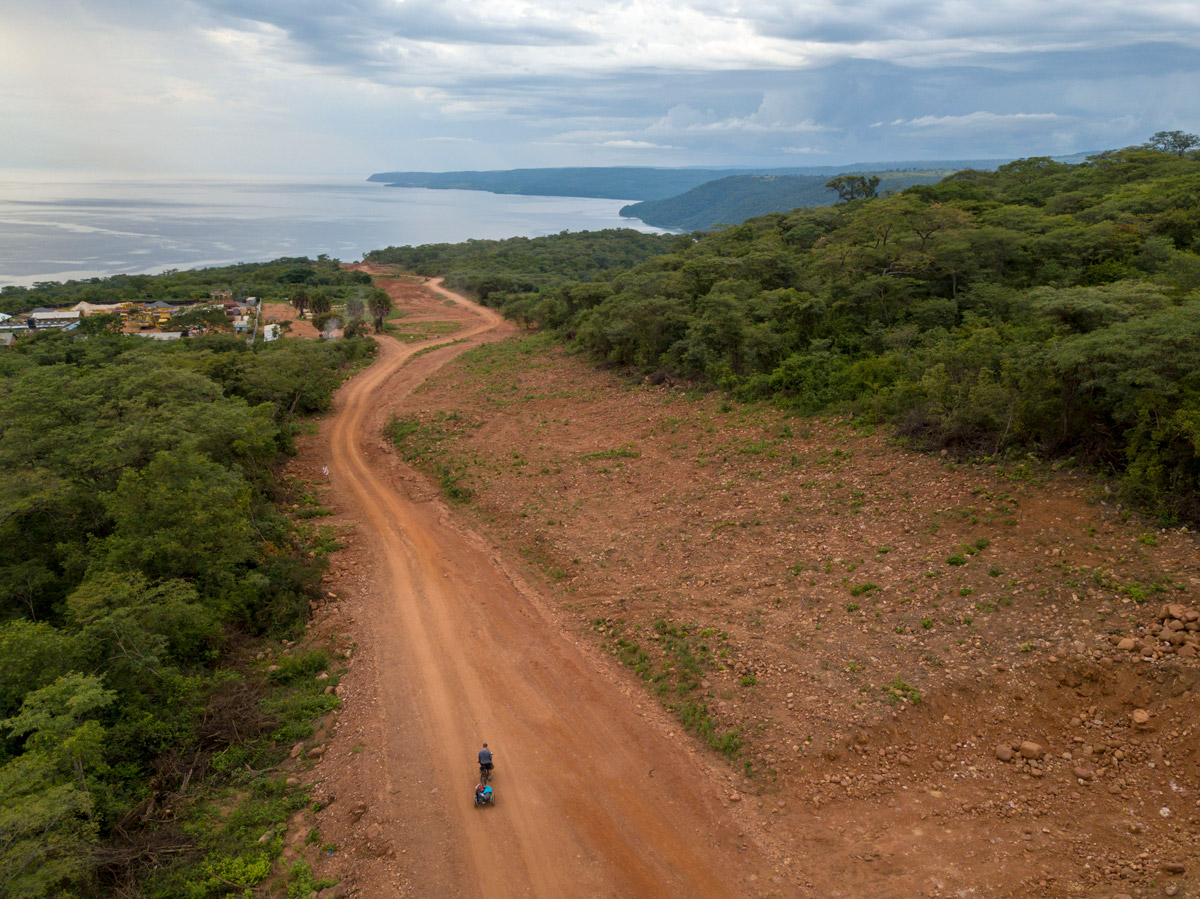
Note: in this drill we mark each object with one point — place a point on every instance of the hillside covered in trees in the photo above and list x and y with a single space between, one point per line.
144 552
524 264
1044 307
732 200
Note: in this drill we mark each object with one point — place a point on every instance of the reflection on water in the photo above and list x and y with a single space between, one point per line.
55 230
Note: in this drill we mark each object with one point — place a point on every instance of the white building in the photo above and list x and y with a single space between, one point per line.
53 318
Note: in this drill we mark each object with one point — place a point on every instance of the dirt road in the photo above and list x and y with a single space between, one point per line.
596 796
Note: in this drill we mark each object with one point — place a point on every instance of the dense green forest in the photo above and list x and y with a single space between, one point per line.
145 561
732 200
520 264
270 281
1043 307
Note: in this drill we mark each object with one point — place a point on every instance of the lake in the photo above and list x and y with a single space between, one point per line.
53 229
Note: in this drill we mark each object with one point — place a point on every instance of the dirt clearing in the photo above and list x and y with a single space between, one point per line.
720 651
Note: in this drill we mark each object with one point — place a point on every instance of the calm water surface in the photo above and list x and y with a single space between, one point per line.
57 230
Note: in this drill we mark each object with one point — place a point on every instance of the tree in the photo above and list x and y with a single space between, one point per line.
181 516
32 655
380 305
47 826
210 318
854 187
1177 142
300 301
99 325
319 303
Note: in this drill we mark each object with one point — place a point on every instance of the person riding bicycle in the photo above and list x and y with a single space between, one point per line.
485 759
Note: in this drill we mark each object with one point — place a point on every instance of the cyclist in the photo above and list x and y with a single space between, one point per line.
485 763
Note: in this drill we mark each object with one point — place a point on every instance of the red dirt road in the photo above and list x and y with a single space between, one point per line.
595 795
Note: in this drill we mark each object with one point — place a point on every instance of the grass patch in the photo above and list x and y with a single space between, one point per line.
901 691
415 332
675 661
625 451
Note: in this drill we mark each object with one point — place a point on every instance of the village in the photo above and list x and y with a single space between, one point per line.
154 319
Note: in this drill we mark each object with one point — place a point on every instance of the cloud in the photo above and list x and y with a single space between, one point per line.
978 120
626 144
388 84
771 117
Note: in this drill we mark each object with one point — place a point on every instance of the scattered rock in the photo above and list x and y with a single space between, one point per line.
1031 750
1004 753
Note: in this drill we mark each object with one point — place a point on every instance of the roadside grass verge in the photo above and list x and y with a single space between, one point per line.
678 657
423 443
229 836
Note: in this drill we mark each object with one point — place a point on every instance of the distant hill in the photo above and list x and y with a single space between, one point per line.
637 183
734 199
604 183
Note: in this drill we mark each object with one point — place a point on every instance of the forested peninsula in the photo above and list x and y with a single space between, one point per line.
732 200
1043 307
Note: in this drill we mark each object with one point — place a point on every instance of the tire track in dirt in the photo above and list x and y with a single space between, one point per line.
593 798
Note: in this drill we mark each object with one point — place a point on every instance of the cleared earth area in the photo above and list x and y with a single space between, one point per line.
724 651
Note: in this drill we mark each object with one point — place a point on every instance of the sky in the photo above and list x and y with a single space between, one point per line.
352 87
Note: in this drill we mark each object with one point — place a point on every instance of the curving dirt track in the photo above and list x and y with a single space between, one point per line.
595 796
